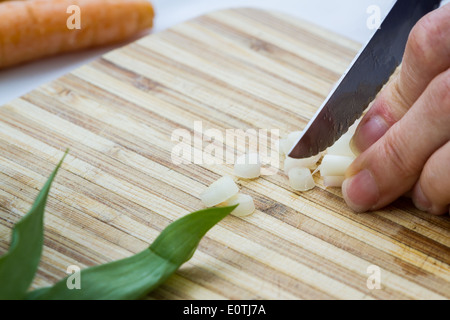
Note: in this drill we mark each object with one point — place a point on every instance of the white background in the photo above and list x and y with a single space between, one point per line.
347 17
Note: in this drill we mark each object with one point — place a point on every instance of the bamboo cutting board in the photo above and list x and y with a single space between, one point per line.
118 187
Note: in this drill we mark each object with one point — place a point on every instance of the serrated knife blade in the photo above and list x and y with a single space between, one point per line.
369 71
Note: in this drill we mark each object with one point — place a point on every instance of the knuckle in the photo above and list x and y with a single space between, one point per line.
426 38
440 93
444 87
403 101
396 154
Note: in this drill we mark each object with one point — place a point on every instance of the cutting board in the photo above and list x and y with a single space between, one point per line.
118 187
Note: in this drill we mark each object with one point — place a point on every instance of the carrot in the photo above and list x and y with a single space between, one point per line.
38 28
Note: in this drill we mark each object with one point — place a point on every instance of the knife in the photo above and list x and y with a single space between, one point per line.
359 85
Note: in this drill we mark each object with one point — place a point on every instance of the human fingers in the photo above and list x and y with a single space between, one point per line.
427 54
432 192
392 165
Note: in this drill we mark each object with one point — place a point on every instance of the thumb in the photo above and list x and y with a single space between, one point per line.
426 56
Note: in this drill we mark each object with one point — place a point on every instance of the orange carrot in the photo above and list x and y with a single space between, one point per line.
38 28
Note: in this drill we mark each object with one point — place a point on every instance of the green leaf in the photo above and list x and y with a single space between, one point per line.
136 276
19 265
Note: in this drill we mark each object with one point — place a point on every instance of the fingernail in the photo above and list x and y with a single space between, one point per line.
368 134
361 191
420 200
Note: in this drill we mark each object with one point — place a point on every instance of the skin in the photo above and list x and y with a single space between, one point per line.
404 140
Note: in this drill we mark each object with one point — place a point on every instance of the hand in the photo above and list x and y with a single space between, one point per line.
404 139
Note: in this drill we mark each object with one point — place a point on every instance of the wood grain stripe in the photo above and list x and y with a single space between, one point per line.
118 188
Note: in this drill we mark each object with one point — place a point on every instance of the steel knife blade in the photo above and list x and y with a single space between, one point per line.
367 74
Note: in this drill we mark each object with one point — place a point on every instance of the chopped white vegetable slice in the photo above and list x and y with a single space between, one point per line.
285 146
246 205
333 165
333 181
290 163
293 137
342 146
248 166
219 191
301 179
